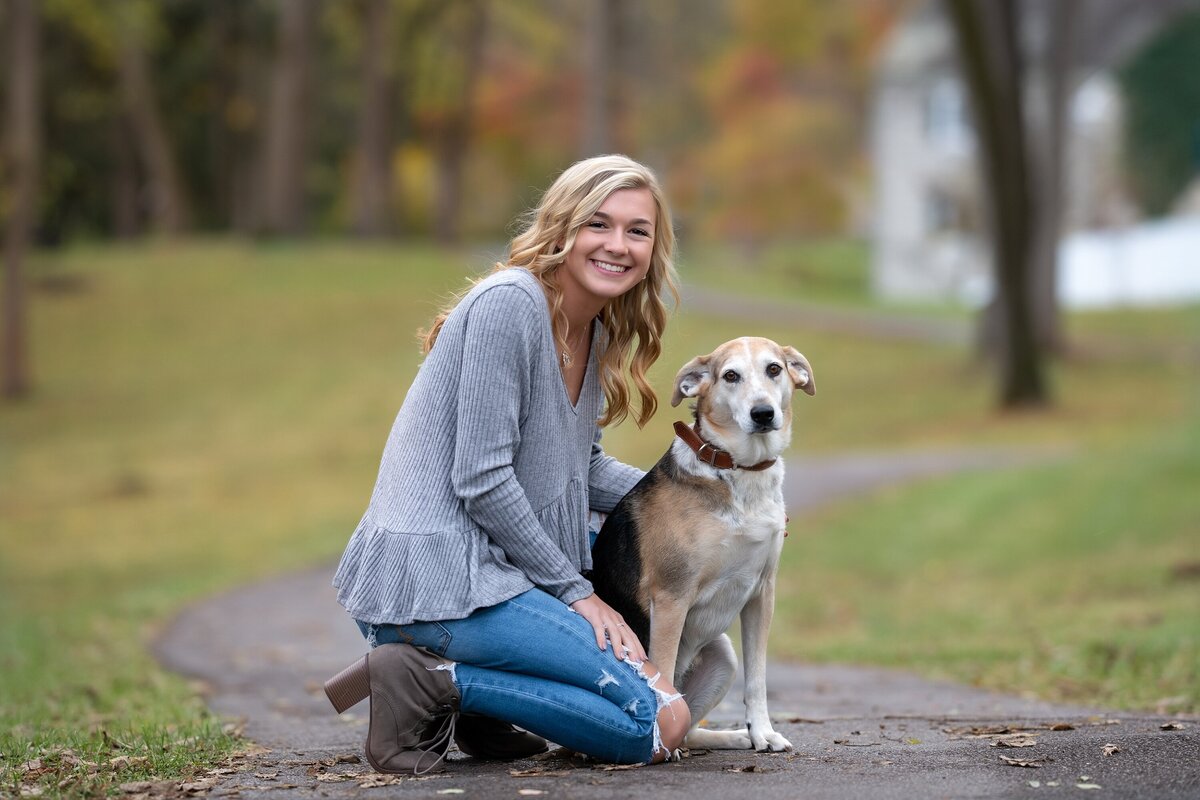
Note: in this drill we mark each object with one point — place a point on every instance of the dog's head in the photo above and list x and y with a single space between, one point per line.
743 393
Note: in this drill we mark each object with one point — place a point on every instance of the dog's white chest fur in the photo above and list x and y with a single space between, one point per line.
745 551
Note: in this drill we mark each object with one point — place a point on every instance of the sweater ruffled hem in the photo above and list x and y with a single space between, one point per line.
395 577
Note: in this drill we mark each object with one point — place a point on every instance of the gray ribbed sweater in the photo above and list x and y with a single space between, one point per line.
488 473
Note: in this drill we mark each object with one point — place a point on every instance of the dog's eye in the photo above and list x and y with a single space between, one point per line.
730 376
773 370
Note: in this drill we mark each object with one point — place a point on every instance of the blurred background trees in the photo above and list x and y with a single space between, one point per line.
440 119
21 161
417 117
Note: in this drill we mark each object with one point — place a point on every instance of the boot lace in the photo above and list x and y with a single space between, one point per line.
438 744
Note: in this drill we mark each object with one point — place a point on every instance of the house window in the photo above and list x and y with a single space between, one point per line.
941 211
945 115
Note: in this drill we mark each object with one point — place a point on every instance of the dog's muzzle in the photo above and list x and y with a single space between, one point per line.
763 418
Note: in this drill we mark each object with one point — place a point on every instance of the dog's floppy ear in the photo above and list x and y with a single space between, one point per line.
801 372
691 377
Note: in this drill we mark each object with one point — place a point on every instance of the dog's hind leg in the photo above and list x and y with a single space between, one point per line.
708 680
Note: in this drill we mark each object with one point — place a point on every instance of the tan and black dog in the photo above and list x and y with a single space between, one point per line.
696 542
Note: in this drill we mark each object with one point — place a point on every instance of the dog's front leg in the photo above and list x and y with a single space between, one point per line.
667 616
756 622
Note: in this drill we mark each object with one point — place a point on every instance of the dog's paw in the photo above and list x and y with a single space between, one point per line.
770 742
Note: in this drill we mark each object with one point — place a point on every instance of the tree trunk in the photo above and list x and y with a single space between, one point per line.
126 208
603 87
286 145
24 142
451 148
1055 58
994 72
168 209
372 189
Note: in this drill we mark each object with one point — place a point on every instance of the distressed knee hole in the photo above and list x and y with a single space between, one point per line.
663 699
607 679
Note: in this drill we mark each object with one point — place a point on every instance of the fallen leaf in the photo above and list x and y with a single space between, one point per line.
976 731
616 767
1172 726
124 762
266 776
202 786
747 768
1031 763
529 792
348 758
1062 726
538 772
1017 740
450 791
374 781
334 777
136 786
1035 784
1087 786
1110 749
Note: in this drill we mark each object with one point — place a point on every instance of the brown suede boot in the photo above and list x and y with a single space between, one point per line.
494 740
414 704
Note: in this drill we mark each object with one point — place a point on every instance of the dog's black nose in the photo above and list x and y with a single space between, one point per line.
763 416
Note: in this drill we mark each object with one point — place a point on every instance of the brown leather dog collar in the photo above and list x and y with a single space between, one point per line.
720 459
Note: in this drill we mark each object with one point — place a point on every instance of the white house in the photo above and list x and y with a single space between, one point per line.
927 219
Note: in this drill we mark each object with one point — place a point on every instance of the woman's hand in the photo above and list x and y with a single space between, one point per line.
610 627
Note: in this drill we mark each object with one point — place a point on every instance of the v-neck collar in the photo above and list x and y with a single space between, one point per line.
587 369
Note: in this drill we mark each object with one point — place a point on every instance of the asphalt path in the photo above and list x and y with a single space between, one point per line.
260 653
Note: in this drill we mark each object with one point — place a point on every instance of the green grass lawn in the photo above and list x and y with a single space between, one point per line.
212 412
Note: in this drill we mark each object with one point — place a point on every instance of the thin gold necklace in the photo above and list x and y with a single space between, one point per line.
567 358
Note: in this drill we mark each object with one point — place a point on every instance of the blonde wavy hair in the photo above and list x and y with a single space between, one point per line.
640 314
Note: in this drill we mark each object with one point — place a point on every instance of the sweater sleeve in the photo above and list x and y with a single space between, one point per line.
499 347
608 479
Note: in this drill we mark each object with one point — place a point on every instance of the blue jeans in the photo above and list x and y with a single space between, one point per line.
532 661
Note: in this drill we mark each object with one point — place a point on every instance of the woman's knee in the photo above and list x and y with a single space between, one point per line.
673 719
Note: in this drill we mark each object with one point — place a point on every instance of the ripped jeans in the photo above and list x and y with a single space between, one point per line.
532 661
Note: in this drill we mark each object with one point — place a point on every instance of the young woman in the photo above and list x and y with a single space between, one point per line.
477 531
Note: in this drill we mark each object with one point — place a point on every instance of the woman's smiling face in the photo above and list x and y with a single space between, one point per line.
612 250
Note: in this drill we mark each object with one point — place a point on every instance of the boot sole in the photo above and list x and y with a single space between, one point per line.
350 686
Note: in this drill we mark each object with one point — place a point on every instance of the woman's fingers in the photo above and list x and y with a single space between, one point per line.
634 647
610 627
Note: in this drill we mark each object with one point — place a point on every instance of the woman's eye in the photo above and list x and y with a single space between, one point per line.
773 370
595 224
640 232
730 376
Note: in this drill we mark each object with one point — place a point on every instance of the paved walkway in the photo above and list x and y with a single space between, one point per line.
262 652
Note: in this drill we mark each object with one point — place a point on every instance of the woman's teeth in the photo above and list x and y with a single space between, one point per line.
604 265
